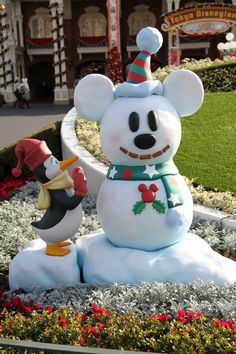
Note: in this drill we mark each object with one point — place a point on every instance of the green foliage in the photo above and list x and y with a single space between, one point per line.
217 75
50 134
159 206
138 207
221 78
188 332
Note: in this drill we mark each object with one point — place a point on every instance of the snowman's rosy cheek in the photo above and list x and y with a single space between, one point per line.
171 136
114 138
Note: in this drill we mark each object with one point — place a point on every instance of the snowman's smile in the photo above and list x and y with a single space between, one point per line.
145 157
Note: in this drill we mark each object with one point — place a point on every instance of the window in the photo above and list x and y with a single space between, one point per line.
92 23
141 17
40 24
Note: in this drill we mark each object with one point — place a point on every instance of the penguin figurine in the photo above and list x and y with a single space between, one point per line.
59 194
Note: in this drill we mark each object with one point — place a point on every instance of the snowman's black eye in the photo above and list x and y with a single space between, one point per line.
153 120
134 121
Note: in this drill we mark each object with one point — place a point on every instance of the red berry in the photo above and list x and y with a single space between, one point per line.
142 187
148 196
153 187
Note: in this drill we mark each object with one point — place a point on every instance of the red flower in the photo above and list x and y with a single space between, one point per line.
28 310
49 309
159 317
181 313
92 330
99 310
37 306
63 322
197 315
181 319
81 342
190 315
84 317
96 315
10 185
101 326
6 305
16 301
1 328
95 308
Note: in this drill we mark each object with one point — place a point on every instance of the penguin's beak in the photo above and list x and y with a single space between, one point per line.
66 163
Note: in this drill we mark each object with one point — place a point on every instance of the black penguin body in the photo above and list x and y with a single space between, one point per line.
61 202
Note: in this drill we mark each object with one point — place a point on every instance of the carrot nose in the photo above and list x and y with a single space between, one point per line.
66 163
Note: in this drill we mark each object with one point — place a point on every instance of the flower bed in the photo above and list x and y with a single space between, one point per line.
187 332
9 186
151 317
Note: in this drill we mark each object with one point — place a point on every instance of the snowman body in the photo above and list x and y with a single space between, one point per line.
142 134
150 230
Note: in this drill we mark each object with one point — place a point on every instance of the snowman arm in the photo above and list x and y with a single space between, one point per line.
61 198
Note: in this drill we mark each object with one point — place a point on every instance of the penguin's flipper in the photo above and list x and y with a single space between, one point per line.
54 250
64 243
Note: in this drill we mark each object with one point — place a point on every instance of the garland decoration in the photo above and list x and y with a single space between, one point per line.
59 64
6 76
114 66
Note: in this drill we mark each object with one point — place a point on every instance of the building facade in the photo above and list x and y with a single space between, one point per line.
55 43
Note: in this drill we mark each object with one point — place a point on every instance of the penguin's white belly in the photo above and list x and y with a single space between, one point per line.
148 230
66 228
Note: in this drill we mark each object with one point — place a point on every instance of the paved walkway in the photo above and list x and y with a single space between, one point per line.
16 123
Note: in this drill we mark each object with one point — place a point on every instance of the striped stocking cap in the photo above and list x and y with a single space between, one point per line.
149 40
140 68
139 81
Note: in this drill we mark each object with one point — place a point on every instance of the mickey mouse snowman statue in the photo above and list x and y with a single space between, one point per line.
144 205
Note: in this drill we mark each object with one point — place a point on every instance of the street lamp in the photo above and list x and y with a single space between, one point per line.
2 5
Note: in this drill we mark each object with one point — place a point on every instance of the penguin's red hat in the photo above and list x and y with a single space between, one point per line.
32 152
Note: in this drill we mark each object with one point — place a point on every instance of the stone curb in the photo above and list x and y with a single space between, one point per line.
96 171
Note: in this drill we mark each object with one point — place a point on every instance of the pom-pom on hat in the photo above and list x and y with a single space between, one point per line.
32 152
139 81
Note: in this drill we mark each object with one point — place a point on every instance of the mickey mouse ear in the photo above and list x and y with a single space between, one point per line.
93 94
184 89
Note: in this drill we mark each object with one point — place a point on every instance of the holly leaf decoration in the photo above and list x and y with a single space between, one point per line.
138 207
159 206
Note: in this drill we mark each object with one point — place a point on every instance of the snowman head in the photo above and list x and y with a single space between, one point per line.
140 119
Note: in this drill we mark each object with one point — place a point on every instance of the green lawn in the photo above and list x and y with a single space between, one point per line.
207 151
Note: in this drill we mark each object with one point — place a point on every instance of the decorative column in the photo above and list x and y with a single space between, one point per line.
6 78
234 26
113 15
173 37
61 95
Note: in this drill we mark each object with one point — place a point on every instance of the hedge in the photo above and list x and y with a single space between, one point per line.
51 134
218 78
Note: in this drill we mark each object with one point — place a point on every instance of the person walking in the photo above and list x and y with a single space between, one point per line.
25 93
17 93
